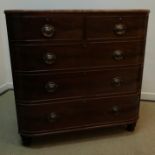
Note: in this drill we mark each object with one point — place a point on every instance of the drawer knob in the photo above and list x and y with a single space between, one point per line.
115 109
51 87
120 29
116 81
48 30
118 55
52 117
49 58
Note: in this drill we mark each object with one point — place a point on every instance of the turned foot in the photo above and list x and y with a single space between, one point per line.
26 141
131 127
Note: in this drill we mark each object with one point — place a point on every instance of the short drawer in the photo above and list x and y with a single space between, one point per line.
57 86
45 27
77 114
65 57
116 27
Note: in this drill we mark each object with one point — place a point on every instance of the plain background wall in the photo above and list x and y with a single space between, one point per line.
148 87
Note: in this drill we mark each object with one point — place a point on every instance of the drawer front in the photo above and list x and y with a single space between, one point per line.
117 27
74 114
63 26
60 57
76 85
51 27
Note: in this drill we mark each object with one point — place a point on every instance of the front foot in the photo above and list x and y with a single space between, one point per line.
131 127
26 141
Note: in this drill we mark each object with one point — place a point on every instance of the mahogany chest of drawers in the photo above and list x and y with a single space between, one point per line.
76 70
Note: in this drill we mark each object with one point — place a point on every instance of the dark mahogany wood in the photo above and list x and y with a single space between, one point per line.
100 28
76 69
69 26
26 141
78 84
75 56
29 28
78 113
131 126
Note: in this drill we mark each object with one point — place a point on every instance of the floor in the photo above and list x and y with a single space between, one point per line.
113 141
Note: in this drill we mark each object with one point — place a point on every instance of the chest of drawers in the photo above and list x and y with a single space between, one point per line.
76 70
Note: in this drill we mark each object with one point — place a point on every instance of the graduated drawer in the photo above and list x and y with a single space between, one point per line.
63 57
116 27
56 86
77 114
45 27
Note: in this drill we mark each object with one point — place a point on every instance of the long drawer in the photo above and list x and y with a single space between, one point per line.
76 84
77 114
62 57
75 26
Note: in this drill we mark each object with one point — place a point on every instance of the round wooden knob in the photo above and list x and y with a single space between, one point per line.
52 117
118 55
49 58
48 30
116 81
51 87
115 109
120 29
